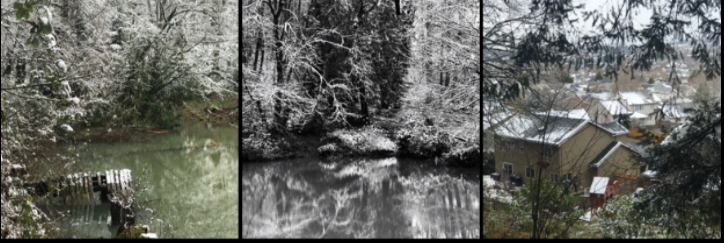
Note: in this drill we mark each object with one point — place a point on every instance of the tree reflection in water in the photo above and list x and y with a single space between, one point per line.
367 198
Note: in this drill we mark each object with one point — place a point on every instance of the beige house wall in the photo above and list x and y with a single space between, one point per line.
525 154
574 157
620 162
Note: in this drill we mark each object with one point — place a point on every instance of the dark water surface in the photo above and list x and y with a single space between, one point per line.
361 198
181 193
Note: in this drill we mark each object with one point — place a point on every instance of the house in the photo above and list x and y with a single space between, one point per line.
608 111
638 102
670 116
569 149
661 91
687 91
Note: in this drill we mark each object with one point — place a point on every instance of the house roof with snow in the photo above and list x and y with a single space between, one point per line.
600 96
532 128
613 128
614 107
637 115
673 111
607 152
572 114
636 98
599 185
678 133
661 88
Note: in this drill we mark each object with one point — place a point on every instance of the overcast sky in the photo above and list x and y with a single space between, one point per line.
641 16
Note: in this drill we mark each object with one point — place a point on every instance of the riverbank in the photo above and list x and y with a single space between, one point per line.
454 141
20 217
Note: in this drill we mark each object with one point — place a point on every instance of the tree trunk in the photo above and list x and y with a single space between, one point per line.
279 113
363 103
447 79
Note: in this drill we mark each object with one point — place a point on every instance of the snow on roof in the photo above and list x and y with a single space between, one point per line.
673 111
572 114
607 152
649 174
615 107
599 185
636 98
528 127
601 96
661 88
613 128
637 115
493 119
678 132
656 98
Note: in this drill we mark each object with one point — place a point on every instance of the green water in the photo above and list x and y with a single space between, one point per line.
181 193
359 198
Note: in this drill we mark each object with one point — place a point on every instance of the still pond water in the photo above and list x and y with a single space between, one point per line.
360 198
181 193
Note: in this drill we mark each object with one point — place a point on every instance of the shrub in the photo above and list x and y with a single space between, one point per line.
423 141
364 141
262 147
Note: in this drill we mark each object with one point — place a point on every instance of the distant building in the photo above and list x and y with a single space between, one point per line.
638 102
661 92
670 116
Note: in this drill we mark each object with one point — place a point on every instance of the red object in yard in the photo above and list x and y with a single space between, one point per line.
602 189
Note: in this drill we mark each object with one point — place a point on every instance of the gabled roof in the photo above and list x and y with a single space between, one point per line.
613 128
572 114
607 152
661 88
673 111
614 107
530 128
636 98
600 96
599 185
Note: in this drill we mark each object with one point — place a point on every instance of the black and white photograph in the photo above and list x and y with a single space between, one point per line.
360 119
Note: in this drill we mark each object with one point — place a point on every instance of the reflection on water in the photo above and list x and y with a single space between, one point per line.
181 193
363 198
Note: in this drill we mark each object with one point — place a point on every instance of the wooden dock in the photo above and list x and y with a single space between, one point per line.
115 186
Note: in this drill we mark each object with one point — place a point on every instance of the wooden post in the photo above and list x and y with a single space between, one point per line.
99 180
71 189
109 181
123 181
117 179
78 188
87 181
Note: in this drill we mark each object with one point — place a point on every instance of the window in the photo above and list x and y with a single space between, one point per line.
554 177
567 177
639 107
507 146
529 172
547 153
642 122
508 169
522 145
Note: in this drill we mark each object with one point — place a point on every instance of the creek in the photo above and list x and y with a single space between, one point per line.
359 198
180 192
